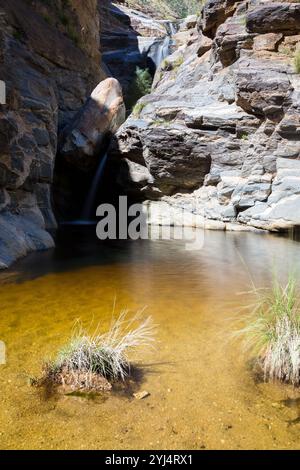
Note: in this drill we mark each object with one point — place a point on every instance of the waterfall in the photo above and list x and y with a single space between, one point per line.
161 47
159 50
87 212
171 27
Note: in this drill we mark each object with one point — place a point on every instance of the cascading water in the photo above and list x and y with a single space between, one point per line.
161 47
159 50
171 27
87 213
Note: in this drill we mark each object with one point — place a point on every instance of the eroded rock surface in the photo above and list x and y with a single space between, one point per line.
219 134
50 62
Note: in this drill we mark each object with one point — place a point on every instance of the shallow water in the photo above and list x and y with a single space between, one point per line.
203 394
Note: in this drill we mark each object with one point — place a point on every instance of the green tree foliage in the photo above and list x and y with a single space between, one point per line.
141 86
184 7
169 8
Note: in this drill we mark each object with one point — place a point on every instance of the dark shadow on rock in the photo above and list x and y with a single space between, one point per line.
120 49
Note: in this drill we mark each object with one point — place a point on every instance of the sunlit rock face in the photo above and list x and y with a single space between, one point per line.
231 97
81 142
50 63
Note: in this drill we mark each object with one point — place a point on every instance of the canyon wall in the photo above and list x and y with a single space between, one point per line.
130 38
50 63
53 125
219 135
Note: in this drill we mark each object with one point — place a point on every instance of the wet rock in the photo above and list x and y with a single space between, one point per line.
22 233
67 381
72 382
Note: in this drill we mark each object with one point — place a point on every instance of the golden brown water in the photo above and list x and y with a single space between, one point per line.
203 395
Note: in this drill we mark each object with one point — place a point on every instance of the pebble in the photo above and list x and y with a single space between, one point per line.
141 395
277 405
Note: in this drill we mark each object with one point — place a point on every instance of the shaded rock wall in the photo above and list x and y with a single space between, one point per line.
50 63
129 39
220 133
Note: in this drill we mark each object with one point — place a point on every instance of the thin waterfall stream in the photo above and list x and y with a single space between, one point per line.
161 48
158 51
87 213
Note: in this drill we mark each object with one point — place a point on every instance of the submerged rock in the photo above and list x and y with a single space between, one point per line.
141 395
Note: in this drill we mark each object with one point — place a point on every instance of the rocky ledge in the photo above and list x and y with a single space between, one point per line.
220 133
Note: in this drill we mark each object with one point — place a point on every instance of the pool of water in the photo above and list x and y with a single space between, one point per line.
203 394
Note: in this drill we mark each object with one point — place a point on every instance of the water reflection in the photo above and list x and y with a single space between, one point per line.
202 392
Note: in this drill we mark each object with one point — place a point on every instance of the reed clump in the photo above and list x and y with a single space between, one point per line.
95 361
272 331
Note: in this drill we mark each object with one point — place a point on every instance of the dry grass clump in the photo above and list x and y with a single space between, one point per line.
93 361
272 332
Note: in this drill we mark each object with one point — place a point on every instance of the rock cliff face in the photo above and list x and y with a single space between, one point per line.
129 39
220 133
218 136
50 62
54 128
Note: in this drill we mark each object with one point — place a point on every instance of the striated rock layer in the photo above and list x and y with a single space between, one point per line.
50 63
220 133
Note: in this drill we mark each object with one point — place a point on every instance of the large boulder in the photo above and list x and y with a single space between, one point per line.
161 161
103 113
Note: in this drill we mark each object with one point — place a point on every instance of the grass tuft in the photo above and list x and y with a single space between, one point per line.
138 108
103 354
272 332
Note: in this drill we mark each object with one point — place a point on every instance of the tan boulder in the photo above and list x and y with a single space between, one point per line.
103 113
